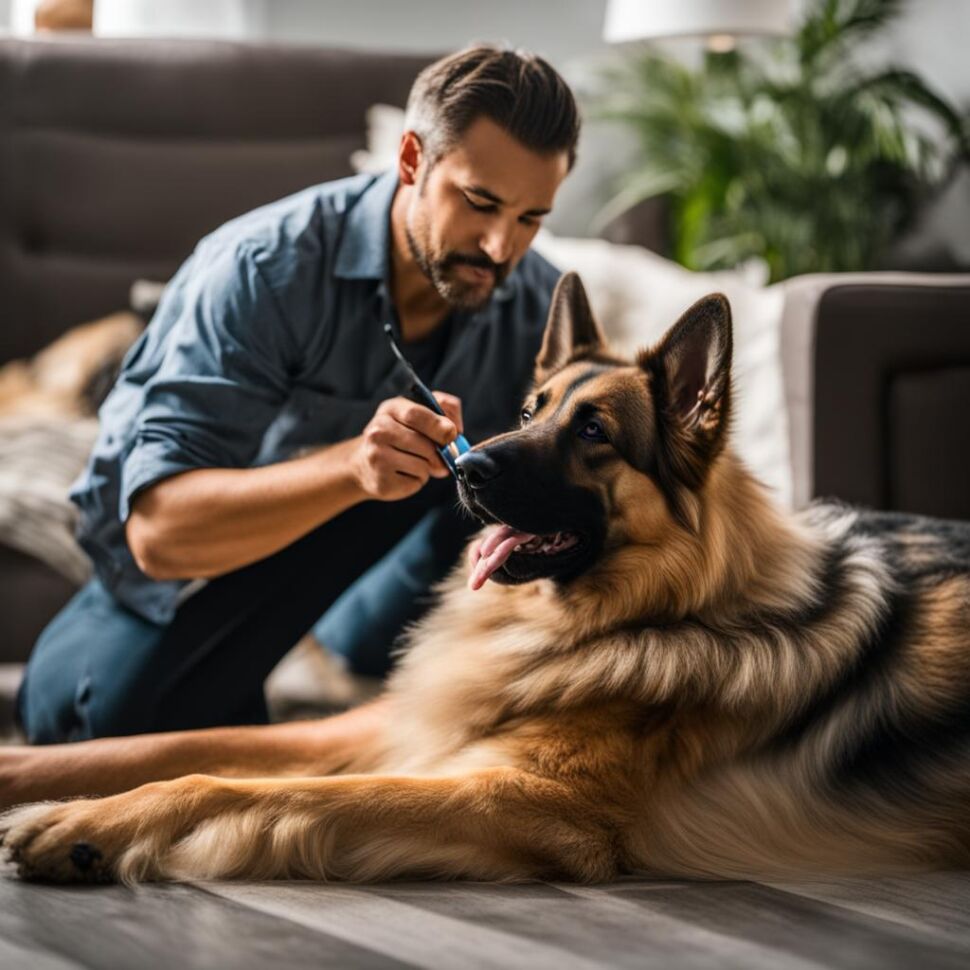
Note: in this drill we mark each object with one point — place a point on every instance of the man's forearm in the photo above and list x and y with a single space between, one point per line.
109 765
209 521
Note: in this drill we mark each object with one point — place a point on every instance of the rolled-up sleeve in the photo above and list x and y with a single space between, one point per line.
224 373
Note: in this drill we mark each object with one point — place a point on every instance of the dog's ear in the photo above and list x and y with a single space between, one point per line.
571 331
690 372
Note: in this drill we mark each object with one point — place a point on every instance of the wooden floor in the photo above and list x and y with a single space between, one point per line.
911 924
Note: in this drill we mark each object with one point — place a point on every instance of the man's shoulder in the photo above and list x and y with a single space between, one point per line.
303 223
286 246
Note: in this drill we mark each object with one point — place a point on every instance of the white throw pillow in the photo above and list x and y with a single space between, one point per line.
636 295
385 125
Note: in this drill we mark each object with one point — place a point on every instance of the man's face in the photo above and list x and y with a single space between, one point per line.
477 209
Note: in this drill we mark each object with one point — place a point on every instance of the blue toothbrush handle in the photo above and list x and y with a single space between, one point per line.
452 451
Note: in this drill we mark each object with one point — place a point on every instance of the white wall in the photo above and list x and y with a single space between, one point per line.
557 29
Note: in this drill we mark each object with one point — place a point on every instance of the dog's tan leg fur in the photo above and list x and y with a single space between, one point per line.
112 765
497 823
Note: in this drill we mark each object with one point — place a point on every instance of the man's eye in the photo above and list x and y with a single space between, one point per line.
489 207
593 431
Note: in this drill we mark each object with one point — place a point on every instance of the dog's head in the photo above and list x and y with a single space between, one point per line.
608 451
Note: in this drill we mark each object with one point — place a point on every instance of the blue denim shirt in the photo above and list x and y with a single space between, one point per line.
269 340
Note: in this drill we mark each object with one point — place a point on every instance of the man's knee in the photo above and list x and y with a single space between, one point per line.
85 677
56 706
50 710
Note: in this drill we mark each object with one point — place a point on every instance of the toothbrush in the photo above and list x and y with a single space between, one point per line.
422 395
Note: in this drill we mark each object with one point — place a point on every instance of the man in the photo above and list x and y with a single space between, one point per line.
219 529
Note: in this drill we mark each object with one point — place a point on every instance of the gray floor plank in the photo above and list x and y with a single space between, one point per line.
937 901
800 927
591 925
15 955
114 928
402 928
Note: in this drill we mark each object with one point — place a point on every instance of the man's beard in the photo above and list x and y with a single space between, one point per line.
456 292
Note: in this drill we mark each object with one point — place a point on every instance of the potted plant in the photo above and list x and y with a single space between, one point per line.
794 151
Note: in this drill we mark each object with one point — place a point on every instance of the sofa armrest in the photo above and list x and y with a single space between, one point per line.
877 374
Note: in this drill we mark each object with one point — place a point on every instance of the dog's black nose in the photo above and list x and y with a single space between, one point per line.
476 468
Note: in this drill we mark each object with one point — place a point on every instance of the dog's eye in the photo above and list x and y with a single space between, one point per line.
526 416
593 431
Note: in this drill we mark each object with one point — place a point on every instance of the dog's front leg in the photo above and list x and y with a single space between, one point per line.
499 823
107 766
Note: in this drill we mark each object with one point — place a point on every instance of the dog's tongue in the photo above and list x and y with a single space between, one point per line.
493 550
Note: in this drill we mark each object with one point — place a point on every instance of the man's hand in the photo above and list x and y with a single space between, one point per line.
396 453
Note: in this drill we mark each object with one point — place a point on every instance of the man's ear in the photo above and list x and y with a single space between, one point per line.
410 154
691 382
571 330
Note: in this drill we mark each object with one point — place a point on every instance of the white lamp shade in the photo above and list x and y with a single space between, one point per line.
22 16
232 19
653 19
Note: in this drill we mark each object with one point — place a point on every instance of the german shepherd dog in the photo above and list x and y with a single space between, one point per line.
640 664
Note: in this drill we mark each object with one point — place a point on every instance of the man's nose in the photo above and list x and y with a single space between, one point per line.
497 244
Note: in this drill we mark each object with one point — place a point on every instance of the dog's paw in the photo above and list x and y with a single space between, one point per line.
57 842
128 837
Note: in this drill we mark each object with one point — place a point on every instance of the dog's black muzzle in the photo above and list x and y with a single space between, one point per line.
519 480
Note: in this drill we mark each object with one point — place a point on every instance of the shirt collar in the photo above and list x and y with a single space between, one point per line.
366 239
365 242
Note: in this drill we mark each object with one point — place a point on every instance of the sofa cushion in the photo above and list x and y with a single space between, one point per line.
929 442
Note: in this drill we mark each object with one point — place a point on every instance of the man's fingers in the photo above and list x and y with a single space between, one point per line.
411 442
410 446
451 405
439 428
411 465
420 449
433 464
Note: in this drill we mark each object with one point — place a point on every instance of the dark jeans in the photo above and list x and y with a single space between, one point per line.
100 670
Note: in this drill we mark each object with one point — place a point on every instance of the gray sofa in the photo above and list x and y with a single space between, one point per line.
117 156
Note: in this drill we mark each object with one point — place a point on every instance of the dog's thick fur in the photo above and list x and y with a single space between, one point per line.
702 686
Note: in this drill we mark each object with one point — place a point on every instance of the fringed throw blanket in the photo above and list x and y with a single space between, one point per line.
39 458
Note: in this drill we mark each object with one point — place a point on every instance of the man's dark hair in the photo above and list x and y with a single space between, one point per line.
517 90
